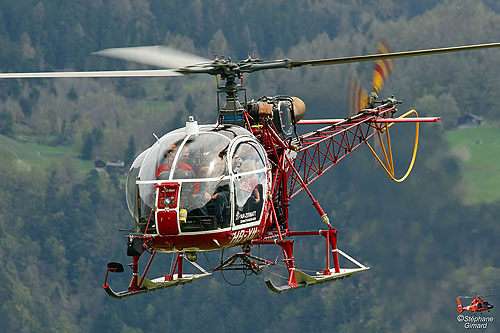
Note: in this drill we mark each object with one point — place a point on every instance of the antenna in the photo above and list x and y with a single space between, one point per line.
156 137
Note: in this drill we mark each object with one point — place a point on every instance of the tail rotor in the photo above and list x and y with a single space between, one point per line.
357 97
383 68
460 309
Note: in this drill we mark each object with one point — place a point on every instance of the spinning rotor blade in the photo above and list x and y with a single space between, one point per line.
161 56
383 67
357 97
138 73
345 60
182 63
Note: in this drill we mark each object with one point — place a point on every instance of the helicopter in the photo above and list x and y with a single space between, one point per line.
477 305
204 188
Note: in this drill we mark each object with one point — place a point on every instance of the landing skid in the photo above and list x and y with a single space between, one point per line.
155 284
140 285
303 280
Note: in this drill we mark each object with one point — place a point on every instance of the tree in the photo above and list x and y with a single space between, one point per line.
130 151
88 147
6 122
72 95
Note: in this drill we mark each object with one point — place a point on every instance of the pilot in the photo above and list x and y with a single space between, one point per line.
216 193
221 201
250 186
163 171
248 194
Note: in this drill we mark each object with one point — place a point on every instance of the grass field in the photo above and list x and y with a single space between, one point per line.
30 154
478 148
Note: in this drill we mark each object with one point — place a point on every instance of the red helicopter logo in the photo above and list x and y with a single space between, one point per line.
477 305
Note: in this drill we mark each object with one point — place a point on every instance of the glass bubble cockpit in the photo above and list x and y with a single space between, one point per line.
210 178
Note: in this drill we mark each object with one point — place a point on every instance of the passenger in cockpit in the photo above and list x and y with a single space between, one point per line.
163 171
213 197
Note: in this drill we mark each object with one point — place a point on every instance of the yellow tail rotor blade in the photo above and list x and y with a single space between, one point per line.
382 67
357 97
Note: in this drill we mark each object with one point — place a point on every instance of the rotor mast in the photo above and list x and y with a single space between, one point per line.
232 111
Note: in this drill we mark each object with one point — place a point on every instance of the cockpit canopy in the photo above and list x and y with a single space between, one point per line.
214 159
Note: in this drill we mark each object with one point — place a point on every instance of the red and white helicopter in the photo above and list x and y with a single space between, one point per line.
477 305
210 187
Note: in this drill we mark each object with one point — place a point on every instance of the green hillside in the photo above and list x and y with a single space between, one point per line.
29 154
478 149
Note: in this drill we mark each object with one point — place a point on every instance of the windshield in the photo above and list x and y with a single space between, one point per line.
131 187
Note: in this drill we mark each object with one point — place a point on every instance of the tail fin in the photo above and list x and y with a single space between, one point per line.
460 309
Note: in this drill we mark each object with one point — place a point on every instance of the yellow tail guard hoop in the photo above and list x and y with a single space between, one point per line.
389 169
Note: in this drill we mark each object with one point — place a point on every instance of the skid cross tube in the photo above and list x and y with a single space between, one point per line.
147 267
134 287
178 266
287 247
331 246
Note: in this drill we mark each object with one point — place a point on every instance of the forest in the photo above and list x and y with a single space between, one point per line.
427 240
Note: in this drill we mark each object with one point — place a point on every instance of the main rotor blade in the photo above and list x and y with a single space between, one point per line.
133 73
161 56
345 60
